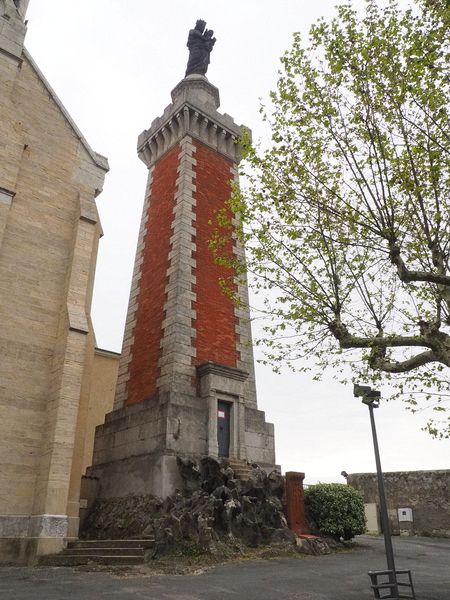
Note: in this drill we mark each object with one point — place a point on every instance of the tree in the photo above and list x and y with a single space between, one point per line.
346 217
336 510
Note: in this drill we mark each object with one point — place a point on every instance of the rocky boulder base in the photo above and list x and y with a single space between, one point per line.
214 508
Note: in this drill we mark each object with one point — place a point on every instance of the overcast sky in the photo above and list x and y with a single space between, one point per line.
113 64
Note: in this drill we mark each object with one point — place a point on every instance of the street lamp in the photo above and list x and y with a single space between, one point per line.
371 398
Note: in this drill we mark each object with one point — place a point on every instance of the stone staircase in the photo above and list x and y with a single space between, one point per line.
241 468
102 552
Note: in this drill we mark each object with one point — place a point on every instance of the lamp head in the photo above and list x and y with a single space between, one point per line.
359 391
369 396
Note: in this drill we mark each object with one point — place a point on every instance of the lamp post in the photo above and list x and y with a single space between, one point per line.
371 398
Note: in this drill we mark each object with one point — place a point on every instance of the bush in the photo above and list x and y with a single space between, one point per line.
336 509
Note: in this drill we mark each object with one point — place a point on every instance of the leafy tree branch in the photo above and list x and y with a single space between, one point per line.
345 218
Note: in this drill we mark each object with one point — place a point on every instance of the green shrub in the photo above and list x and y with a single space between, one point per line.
336 509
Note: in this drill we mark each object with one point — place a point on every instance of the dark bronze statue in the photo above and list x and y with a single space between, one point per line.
200 43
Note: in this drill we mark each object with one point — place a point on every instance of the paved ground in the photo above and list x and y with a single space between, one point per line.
341 576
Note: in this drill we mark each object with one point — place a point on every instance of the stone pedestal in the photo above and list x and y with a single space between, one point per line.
187 346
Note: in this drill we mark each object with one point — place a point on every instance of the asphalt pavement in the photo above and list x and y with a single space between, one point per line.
338 576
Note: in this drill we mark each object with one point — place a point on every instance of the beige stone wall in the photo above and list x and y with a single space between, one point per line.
101 397
49 232
97 399
426 493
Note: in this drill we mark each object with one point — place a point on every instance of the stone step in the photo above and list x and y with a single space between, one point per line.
103 551
71 560
141 543
242 475
237 462
241 468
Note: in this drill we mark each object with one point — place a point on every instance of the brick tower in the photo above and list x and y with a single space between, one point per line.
186 382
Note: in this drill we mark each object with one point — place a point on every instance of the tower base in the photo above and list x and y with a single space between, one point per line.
135 449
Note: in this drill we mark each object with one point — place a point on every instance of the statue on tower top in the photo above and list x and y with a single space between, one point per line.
200 43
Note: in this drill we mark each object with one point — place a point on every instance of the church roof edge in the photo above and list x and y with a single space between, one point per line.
98 159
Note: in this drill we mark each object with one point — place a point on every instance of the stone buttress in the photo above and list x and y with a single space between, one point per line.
187 358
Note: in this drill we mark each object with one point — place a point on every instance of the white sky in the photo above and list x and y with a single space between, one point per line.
113 63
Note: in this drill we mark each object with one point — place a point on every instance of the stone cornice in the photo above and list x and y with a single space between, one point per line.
221 370
193 112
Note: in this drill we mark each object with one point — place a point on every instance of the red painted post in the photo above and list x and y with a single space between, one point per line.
295 503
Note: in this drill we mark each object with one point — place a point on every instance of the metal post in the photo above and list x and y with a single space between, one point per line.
383 508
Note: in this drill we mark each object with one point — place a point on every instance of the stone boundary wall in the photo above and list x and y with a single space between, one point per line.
427 493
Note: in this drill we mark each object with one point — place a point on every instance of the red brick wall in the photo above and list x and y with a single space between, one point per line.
145 352
295 503
216 336
215 322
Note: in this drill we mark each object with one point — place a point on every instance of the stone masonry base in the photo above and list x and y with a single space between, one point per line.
135 449
26 550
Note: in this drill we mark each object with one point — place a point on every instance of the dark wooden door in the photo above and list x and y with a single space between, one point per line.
223 427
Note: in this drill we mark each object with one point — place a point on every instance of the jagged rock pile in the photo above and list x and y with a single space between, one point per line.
215 505
121 518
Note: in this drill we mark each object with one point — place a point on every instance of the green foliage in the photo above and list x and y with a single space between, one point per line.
336 509
345 218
